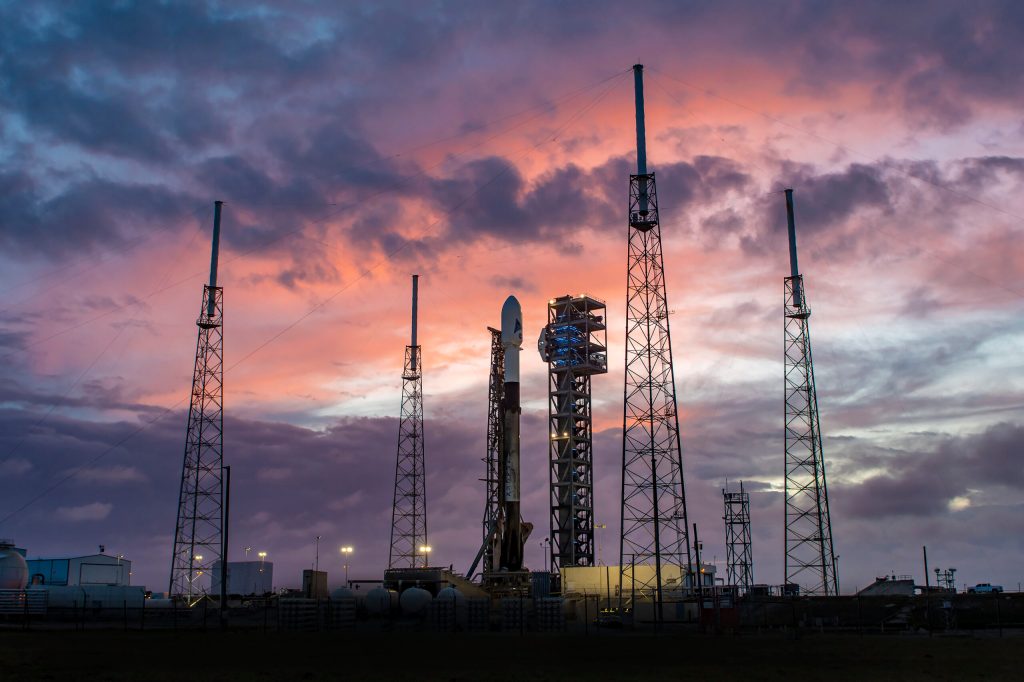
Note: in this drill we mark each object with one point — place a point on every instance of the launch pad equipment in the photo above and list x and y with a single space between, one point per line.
574 344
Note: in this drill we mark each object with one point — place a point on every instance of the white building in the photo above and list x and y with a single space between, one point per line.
245 578
94 569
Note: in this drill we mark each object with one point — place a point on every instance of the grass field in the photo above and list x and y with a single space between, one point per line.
322 656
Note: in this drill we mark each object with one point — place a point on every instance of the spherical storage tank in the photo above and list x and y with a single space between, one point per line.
414 600
13 569
379 601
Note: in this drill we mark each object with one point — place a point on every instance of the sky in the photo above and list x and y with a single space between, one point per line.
487 147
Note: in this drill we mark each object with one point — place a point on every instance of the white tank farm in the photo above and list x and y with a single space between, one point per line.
414 600
13 569
380 601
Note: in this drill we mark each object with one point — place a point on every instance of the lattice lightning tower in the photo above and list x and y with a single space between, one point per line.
495 431
198 539
409 547
654 522
574 344
809 557
739 558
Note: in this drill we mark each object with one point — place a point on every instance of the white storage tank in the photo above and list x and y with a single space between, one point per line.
450 594
414 600
343 593
380 601
13 568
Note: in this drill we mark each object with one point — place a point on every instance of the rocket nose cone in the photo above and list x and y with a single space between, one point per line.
512 322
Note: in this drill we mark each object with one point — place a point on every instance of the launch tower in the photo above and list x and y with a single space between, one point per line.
574 344
495 427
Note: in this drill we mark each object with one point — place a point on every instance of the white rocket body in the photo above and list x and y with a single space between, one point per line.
512 342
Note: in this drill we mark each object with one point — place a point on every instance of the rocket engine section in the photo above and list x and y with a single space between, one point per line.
513 531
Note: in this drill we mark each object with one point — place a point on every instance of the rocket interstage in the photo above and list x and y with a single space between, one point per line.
513 537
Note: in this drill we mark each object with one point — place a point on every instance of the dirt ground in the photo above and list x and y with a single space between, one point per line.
495 658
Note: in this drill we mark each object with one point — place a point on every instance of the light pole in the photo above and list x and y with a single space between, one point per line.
599 526
263 557
426 550
316 561
346 552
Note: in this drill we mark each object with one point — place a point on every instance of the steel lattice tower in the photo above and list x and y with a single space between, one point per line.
809 557
409 514
495 432
739 558
574 344
654 522
198 539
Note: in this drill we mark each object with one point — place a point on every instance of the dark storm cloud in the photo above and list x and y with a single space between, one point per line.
289 484
924 483
157 83
92 213
978 172
830 198
489 197
939 61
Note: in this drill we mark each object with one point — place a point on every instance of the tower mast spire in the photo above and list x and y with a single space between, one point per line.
653 514
809 556
409 548
198 535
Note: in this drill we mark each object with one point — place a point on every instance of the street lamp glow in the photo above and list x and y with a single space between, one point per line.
262 555
199 557
347 549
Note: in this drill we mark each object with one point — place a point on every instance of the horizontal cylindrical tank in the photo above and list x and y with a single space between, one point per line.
343 593
13 569
380 601
450 594
414 600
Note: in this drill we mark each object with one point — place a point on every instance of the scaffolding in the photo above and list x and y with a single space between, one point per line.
739 558
574 344
495 429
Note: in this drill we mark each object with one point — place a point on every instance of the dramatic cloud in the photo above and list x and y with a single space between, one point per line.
488 148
